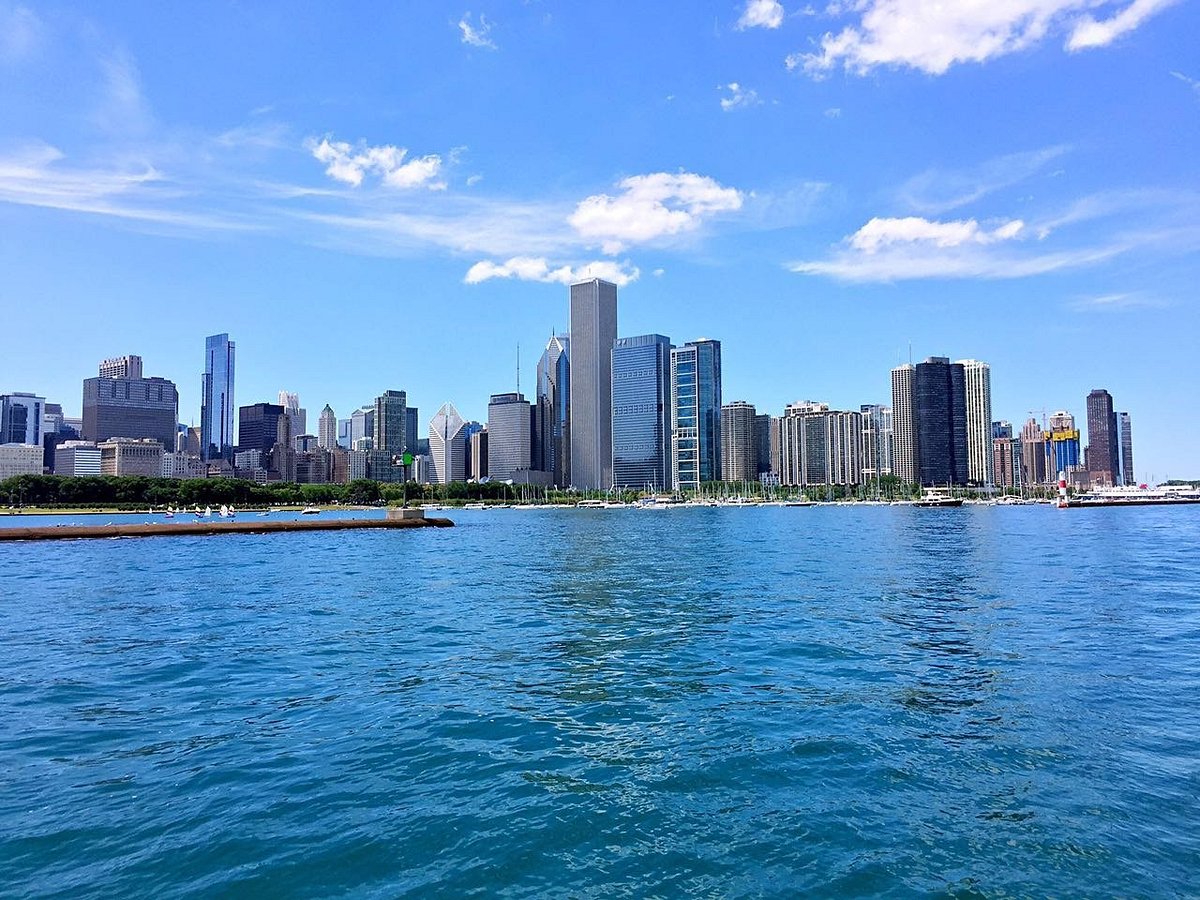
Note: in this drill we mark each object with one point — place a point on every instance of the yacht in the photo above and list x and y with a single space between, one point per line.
937 497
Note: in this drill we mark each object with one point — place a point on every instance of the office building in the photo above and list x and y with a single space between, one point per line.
904 423
258 426
695 414
305 443
1104 443
1035 449
297 416
181 465
312 466
447 446
20 459
1126 428
477 455
121 367
552 451
509 445
1065 454
739 455
877 440
21 418
977 388
131 456
593 330
391 422
216 406
1007 457
413 442
77 459
327 429
941 422
343 433
762 444
641 412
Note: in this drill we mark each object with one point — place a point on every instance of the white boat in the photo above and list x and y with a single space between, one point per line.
310 511
226 512
936 497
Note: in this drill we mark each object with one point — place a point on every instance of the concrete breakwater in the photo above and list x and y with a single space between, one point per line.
406 519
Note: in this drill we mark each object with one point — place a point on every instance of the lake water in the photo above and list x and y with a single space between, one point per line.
834 701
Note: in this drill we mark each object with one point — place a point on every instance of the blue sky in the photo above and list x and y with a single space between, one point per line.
395 195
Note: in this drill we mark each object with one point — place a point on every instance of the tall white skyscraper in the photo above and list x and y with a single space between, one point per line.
327 429
978 382
904 424
448 446
296 416
593 330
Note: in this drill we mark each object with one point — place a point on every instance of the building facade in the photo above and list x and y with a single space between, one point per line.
593 330
130 456
877 440
447 446
327 429
820 446
1125 425
297 416
130 407
509 426
552 451
1035 448
739 453
1007 457
20 459
391 422
477 455
1104 443
977 383
641 412
941 422
121 367
695 414
21 418
904 423
77 459
216 405
258 426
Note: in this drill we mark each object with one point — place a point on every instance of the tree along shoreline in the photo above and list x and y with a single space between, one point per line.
133 492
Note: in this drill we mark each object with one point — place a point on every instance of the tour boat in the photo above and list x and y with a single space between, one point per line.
935 497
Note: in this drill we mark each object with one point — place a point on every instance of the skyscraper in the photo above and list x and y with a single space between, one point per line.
21 418
509 439
362 424
904 423
877 437
327 429
1064 444
1103 439
448 446
1126 426
216 405
119 402
695 414
941 422
641 412
739 455
820 446
593 330
977 379
297 417
391 422
1034 453
1007 457
258 426
553 451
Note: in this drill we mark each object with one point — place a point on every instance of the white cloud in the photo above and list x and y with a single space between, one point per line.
738 97
650 207
761 14
349 164
933 35
473 180
881 233
833 113
1116 303
531 268
476 36
939 190
1090 33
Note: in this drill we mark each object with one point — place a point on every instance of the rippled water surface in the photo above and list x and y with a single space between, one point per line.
839 701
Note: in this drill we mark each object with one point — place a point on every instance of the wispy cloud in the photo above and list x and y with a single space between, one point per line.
738 97
476 35
20 34
528 268
933 37
941 190
761 14
1193 83
1112 303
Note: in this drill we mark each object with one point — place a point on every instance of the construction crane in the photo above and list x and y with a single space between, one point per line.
1043 412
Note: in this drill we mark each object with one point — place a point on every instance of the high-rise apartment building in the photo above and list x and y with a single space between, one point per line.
1126 428
391 422
129 405
509 443
739 455
552 452
977 382
412 431
21 418
820 446
121 367
448 446
258 426
1007 457
877 440
1035 448
1065 452
297 416
327 429
1104 443
477 455
762 444
941 422
641 412
593 330
216 405
904 423
695 414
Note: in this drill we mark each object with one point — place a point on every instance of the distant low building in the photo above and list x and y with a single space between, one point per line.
130 456
20 459
182 465
77 459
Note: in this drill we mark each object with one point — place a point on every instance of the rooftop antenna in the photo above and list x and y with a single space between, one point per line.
910 353
518 367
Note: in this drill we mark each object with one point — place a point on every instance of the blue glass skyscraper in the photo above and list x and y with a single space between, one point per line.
641 412
216 405
696 414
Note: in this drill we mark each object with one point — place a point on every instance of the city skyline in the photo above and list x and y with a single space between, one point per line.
1031 204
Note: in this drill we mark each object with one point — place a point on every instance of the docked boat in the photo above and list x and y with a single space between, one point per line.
1171 495
935 497
310 511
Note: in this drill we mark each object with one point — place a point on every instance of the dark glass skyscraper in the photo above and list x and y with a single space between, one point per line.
258 426
216 405
696 414
391 422
641 412
1126 426
552 451
940 418
1103 442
